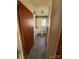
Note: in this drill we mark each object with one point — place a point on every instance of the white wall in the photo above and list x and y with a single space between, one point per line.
55 29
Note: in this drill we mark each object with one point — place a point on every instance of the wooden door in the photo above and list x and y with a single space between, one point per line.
26 28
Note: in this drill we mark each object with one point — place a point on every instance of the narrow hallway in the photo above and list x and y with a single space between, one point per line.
40 25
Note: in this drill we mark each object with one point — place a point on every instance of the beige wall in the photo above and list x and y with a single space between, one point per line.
19 44
55 29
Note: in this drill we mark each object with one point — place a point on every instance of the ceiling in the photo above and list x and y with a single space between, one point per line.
40 2
40 7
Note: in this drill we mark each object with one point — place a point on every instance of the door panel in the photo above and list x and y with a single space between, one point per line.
26 28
